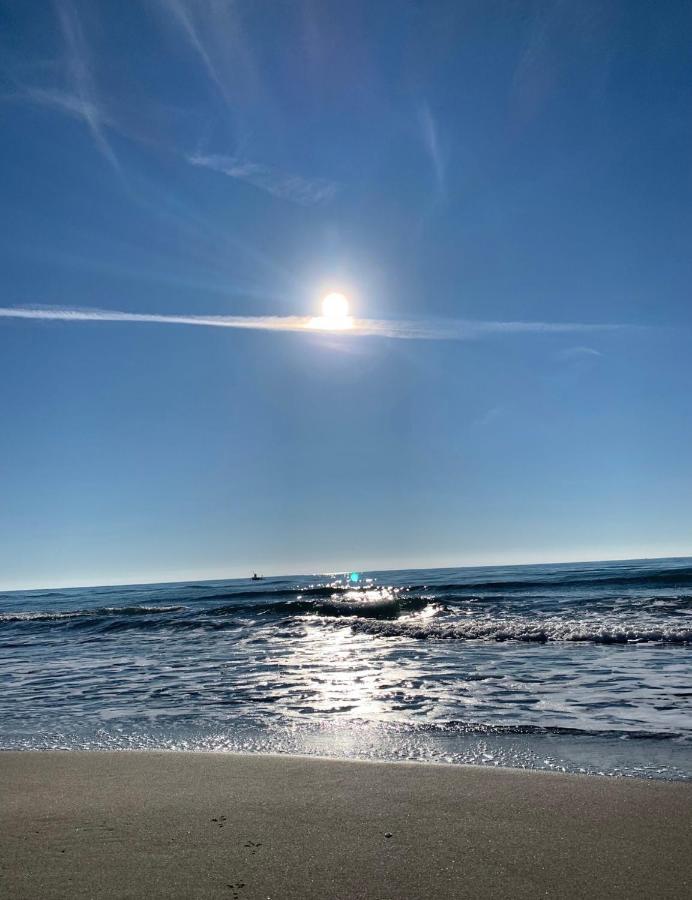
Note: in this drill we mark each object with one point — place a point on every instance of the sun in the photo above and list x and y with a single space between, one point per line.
335 306
335 314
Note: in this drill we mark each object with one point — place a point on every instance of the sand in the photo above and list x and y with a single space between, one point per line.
257 827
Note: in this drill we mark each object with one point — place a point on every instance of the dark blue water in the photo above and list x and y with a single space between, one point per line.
568 667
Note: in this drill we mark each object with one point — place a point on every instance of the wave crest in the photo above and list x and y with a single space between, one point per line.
529 630
103 612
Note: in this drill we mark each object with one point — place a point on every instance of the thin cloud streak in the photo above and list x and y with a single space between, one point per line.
63 101
453 329
78 98
215 33
81 99
305 191
576 353
431 143
184 18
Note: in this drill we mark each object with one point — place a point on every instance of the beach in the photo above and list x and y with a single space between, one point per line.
252 827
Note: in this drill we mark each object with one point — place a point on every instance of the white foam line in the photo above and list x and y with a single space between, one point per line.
453 329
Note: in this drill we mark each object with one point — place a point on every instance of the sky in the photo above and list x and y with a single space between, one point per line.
503 190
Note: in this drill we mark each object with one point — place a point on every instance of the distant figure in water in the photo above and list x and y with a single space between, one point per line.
256 577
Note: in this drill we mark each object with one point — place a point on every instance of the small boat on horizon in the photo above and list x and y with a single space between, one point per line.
256 577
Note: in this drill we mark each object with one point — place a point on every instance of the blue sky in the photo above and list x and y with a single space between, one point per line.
443 164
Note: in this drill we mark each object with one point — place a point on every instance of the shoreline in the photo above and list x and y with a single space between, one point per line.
323 757
250 827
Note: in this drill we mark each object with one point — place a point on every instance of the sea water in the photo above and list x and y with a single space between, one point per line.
583 668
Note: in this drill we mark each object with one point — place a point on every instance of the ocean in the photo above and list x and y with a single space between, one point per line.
574 667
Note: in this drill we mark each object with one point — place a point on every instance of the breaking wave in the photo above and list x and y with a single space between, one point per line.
104 612
529 630
372 604
489 666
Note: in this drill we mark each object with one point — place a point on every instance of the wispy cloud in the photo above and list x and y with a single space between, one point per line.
488 416
214 31
79 98
431 142
296 188
555 35
453 329
574 353
64 101
74 314
216 34
470 329
182 14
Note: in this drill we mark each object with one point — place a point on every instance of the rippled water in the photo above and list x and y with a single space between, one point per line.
574 667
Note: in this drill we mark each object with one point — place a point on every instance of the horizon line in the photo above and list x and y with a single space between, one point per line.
342 571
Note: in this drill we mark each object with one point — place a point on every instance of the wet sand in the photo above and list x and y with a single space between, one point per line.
109 825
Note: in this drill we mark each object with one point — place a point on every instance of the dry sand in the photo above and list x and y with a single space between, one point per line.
257 827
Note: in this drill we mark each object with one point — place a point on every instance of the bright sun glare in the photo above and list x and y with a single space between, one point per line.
335 306
335 313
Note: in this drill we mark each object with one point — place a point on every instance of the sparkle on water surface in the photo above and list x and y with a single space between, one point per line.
584 668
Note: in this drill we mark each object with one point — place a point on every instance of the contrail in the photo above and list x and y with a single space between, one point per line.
432 329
